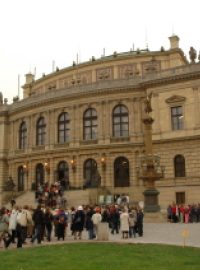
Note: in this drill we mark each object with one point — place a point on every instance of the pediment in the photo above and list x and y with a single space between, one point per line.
175 98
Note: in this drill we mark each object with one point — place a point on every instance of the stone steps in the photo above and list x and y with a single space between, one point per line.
73 197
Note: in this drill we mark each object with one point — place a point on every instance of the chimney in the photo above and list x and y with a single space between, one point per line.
29 78
174 42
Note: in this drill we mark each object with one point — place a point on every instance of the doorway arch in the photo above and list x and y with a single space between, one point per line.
39 171
121 172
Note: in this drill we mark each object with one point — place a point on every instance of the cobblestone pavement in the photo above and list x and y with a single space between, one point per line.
161 233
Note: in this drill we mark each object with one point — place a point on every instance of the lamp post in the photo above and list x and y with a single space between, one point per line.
73 164
149 168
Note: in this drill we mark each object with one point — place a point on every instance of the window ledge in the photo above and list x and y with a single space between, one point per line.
86 142
19 151
61 145
38 147
120 139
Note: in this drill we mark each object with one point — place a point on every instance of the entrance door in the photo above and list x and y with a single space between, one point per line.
63 174
121 172
39 174
20 179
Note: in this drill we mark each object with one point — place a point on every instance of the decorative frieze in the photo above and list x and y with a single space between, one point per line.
150 67
104 74
79 78
127 71
175 99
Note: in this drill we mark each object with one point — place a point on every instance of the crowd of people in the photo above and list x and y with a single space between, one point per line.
183 213
50 195
20 225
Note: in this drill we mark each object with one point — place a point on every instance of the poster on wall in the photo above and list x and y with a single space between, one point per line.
109 199
101 199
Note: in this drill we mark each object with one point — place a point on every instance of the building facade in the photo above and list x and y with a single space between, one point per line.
83 125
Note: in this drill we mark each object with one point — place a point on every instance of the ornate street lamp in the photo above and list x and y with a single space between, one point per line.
149 168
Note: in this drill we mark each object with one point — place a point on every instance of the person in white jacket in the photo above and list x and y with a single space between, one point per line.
13 222
124 223
24 217
96 219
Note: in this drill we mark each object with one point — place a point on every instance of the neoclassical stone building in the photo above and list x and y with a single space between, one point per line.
84 123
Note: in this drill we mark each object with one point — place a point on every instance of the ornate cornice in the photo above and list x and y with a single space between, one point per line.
171 76
175 98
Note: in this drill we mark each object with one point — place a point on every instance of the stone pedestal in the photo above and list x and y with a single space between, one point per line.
151 200
103 232
156 217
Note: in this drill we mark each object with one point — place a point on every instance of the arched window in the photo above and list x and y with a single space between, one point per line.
22 135
20 179
179 166
39 173
121 172
40 131
63 127
90 173
90 124
120 121
63 174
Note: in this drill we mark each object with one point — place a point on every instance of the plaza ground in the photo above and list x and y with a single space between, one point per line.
154 233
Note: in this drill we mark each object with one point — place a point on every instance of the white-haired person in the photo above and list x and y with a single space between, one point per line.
124 223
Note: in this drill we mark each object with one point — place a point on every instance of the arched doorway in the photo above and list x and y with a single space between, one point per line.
63 174
121 172
39 174
20 186
91 175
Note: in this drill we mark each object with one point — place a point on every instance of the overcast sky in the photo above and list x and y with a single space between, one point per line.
34 33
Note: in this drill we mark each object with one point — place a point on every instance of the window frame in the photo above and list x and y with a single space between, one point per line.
65 129
41 131
22 135
177 122
179 166
90 124
118 122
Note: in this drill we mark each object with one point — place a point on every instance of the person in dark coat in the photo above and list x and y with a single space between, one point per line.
48 219
114 220
38 218
89 223
140 217
78 222
62 224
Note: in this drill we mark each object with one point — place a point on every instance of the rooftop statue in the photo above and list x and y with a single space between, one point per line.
9 184
148 107
192 54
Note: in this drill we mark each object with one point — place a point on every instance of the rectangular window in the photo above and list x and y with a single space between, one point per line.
180 197
177 118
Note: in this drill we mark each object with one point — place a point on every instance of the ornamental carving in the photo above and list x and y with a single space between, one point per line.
76 79
175 99
150 67
104 74
51 86
127 71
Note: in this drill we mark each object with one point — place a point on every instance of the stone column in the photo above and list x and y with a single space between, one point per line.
131 120
48 129
52 129
196 107
137 110
156 113
108 122
101 121
77 122
148 121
